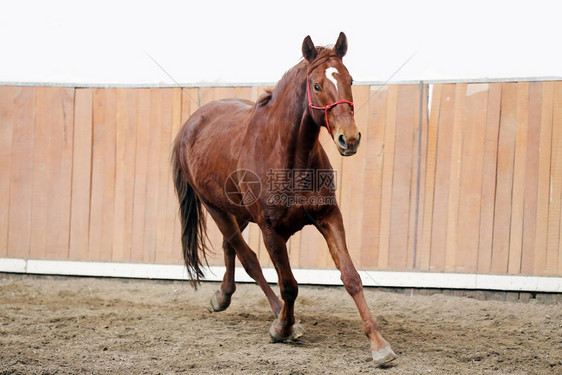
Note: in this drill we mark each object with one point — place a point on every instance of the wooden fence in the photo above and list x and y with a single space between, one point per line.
463 177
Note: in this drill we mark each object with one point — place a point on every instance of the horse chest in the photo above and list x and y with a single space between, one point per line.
292 218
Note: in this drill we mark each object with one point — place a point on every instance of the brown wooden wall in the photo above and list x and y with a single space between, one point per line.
85 175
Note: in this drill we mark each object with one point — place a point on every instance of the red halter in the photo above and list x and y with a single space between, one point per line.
326 108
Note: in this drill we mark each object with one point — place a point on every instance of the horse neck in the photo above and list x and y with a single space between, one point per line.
296 132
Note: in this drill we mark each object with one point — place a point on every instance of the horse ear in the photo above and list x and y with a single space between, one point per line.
308 50
341 45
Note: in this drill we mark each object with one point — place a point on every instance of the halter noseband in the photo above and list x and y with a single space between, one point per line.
326 108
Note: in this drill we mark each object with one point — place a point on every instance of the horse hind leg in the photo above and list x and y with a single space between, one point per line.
221 299
233 236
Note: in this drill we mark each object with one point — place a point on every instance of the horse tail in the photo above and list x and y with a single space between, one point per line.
192 218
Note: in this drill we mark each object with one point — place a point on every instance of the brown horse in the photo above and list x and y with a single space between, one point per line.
229 148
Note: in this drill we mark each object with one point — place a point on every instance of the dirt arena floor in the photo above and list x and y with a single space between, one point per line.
56 325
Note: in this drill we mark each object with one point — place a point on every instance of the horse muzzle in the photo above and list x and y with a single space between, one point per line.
347 146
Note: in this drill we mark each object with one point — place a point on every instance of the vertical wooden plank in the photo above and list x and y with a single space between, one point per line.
50 211
429 191
125 149
7 124
387 176
374 152
420 178
103 175
554 209
153 172
61 170
519 178
21 184
96 190
224 92
41 176
141 167
165 175
81 175
416 104
504 187
263 254
488 197
351 199
294 248
442 177
189 103
311 246
255 242
108 209
130 165
171 248
473 133
245 92
543 188
120 152
454 177
206 95
531 180
406 118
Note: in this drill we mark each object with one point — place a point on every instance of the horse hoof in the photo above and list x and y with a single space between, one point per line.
384 356
217 306
296 332
274 334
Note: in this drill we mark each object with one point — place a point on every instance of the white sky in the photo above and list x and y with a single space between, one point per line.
257 41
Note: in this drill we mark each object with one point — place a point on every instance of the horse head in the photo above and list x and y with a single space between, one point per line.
329 90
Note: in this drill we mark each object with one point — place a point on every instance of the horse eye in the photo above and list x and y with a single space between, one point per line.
351 82
316 87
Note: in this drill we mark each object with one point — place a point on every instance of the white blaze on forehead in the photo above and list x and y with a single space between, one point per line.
330 75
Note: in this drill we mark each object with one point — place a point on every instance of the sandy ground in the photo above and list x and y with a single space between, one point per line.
109 326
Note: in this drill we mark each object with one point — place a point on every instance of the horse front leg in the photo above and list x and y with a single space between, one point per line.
284 327
332 229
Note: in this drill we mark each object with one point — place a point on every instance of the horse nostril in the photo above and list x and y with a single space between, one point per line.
341 141
358 140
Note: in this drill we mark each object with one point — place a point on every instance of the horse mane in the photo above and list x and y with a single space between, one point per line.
323 55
